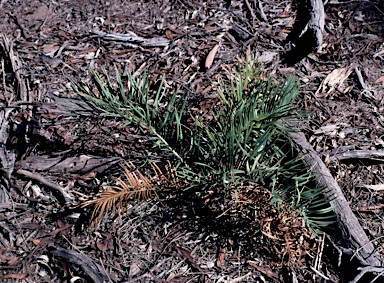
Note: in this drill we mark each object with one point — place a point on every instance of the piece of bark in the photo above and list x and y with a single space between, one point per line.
239 32
7 157
90 268
348 223
4 187
17 69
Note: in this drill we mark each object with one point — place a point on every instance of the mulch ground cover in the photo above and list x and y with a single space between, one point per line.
58 153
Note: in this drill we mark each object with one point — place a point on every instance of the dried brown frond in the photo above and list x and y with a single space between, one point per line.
284 230
135 187
169 179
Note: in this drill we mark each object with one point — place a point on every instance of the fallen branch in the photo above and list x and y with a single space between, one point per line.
81 164
353 233
97 274
42 180
316 21
367 269
132 39
260 10
307 31
360 154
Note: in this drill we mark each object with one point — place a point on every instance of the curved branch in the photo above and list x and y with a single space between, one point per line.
348 223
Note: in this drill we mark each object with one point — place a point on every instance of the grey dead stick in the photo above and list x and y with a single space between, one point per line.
359 154
353 233
131 39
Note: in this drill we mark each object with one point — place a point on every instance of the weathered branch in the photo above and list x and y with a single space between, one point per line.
97 274
307 31
360 154
81 164
131 39
33 175
316 21
349 225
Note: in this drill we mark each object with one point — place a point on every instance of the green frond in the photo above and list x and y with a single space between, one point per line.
244 143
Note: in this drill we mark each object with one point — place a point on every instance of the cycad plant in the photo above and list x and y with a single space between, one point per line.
245 142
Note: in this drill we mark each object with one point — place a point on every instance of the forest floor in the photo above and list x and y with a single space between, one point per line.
54 148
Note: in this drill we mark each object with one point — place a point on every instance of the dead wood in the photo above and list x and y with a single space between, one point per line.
359 154
4 187
307 32
367 269
368 92
316 21
77 165
250 9
90 268
353 233
17 69
132 39
260 10
42 180
8 157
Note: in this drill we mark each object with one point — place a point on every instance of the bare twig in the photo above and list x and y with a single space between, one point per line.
250 10
260 10
377 188
319 273
339 250
368 92
367 269
366 1
317 266
241 278
45 182
378 54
